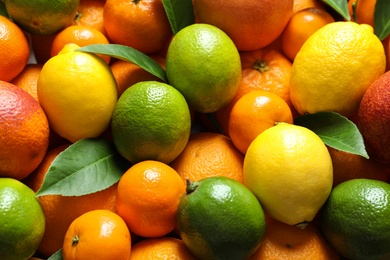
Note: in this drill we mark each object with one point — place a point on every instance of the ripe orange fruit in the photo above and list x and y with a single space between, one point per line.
24 132
148 196
301 25
161 248
28 79
59 210
362 10
282 241
81 35
251 24
143 26
97 234
90 13
253 113
303 4
127 74
14 49
209 154
348 166
264 69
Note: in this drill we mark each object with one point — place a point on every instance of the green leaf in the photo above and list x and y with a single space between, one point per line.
180 13
335 131
382 18
129 54
56 256
3 10
341 7
87 166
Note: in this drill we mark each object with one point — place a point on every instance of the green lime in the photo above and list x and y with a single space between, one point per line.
22 221
151 121
204 65
356 219
219 218
42 17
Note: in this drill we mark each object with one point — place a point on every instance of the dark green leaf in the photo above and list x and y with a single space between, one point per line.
180 13
87 166
382 18
129 54
56 256
335 131
341 7
3 10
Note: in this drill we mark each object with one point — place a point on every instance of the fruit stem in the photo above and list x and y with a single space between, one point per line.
261 66
191 186
75 240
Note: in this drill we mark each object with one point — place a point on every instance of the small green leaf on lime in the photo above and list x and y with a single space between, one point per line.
180 13
85 167
382 18
335 131
129 54
341 7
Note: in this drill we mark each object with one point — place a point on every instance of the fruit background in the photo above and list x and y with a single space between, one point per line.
193 129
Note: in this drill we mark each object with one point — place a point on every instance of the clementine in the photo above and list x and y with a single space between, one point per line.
303 4
59 210
82 35
90 13
97 234
24 132
347 166
161 248
209 154
362 11
251 24
282 241
28 79
253 113
127 74
148 196
14 49
301 25
264 69
143 26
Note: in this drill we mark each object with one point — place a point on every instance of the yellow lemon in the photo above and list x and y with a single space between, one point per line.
334 68
78 93
289 169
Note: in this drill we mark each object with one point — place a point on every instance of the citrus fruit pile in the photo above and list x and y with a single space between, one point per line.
193 129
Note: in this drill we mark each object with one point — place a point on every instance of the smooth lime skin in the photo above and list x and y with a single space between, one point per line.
356 219
219 218
151 121
204 65
22 221
42 17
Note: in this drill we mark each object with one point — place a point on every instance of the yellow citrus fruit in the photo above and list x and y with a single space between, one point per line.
42 16
289 169
334 67
78 93
356 219
22 221
204 65
151 121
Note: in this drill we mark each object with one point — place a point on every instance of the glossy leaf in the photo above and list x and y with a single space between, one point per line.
382 18
335 131
56 256
341 7
180 13
87 166
128 54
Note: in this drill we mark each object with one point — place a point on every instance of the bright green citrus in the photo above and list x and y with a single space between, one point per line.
334 68
22 221
289 169
220 218
42 16
204 65
151 121
356 219
78 93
